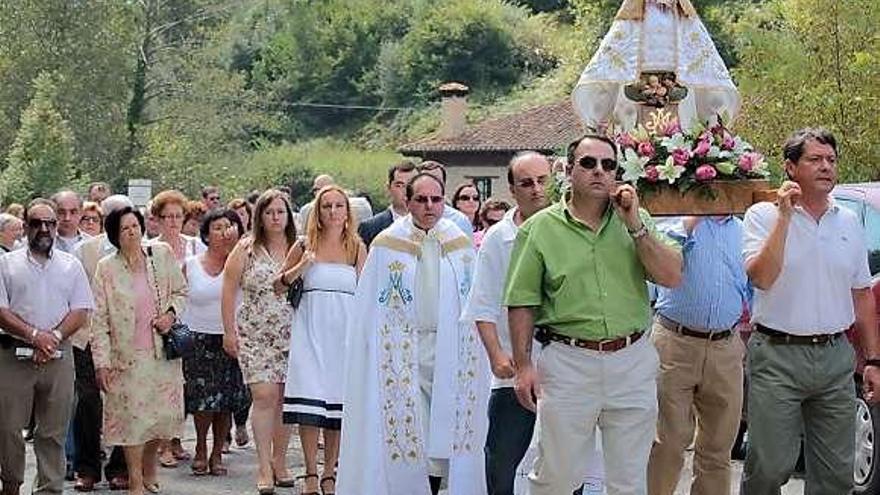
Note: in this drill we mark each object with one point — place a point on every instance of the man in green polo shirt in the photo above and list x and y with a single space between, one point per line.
578 273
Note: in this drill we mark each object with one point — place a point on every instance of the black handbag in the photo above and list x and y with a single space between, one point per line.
178 342
295 292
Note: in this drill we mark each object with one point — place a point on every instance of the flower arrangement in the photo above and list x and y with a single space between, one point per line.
660 154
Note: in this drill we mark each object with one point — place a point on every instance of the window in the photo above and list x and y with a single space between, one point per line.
484 186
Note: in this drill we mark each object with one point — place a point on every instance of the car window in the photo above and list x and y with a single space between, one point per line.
870 218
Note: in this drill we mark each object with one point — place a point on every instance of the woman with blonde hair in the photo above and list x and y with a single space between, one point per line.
258 332
329 261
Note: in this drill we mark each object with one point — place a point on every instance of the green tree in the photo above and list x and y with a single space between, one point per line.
813 63
42 156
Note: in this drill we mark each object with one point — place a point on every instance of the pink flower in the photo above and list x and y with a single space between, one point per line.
652 174
728 143
705 173
672 128
626 141
748 161
681 156
702 148
646 149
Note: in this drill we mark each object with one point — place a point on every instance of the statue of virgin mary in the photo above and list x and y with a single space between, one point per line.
657 54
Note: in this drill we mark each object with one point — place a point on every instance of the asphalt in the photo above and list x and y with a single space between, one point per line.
242 463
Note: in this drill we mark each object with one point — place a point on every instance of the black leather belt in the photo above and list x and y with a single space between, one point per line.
676 327
545 335
777 337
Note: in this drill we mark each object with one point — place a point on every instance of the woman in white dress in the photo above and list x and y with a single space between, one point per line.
329 260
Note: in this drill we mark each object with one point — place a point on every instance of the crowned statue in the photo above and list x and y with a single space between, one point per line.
657 56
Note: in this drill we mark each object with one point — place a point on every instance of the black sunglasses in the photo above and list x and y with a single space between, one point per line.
37 223
590 162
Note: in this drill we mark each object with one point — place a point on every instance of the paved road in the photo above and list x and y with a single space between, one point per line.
242 466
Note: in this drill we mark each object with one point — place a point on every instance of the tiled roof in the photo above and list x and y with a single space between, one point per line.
543 128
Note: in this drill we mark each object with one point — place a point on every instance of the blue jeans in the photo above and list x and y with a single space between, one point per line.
510 432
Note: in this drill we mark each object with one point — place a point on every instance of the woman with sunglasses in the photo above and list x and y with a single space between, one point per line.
466 199
491 212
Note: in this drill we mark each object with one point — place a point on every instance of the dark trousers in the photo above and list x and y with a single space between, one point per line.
510 432
87 423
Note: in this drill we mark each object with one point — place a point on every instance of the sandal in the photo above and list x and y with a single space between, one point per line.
217 468
325 479
178 452
167 460
151 487
199 467
304 478
265 489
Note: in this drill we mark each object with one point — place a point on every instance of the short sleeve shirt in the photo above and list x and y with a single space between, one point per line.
42 295
582 284
823 261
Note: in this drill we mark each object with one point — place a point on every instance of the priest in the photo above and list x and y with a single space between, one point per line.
417 382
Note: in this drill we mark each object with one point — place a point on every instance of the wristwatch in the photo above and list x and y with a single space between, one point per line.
639 232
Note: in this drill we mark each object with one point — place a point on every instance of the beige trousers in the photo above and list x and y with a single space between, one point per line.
700 387
580 390
48 390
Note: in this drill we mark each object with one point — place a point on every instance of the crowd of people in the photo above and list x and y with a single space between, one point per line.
438 343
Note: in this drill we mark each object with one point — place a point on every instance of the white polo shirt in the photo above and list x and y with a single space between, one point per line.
490 273
823 262
42 295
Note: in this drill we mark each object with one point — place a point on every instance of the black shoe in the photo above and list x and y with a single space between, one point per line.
69 475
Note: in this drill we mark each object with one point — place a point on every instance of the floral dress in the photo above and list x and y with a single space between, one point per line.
145 397
263 321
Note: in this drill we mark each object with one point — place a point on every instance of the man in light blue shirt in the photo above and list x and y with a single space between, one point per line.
701 373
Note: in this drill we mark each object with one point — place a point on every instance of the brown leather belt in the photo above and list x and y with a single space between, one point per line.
676 327
777 337
545 335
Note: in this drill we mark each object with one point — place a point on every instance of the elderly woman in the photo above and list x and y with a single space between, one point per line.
169 207
214 387
92 220
258 330
193 213
138 293
466 199
11 229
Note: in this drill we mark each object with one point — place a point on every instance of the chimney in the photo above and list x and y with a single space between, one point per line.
453 103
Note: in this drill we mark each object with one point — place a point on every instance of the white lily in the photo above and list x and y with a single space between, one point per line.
676 141
669 171
633 165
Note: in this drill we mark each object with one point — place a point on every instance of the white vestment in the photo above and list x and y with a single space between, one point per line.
385 447
663 39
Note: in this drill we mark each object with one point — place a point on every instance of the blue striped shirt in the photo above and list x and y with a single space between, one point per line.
714 288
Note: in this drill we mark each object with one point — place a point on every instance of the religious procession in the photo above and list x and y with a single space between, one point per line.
634 314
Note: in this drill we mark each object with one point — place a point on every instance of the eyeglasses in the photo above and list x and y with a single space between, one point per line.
468 197
428 199
529 183
213 198
38 223
590 162
89 219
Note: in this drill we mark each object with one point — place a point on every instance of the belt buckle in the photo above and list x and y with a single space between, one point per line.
815 340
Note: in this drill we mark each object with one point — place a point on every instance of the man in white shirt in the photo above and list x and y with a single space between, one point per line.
807 259
68 207
44 299
510 424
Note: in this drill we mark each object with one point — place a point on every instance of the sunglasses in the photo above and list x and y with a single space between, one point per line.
37 223
590 162
468 197
428 199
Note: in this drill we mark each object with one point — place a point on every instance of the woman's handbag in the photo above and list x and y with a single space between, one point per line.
295 292
178 342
